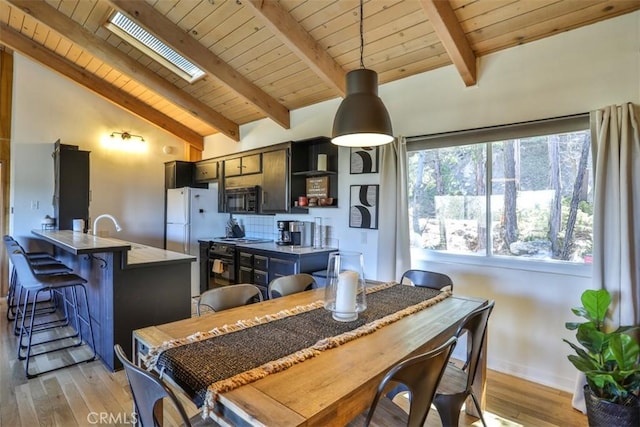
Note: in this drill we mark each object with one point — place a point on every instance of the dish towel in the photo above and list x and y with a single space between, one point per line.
217 267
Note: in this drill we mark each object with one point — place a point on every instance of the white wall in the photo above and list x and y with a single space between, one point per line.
573 72
128 185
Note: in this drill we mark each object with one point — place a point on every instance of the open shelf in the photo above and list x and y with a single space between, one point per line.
314 173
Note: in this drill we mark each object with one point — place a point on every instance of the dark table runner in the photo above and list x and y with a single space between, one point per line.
197 365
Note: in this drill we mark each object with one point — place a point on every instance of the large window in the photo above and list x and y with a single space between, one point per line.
520 191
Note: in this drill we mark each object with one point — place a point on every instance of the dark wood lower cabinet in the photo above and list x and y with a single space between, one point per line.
124 299
284 267
260 267
245 275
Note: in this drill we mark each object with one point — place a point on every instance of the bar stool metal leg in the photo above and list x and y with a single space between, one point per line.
65 286
80 319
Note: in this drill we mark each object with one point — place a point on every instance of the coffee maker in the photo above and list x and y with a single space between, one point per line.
284 235
301 233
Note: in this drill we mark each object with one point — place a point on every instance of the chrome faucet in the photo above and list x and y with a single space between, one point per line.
95 222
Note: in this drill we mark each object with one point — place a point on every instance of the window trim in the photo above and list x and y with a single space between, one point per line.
565 268
541 127
486 135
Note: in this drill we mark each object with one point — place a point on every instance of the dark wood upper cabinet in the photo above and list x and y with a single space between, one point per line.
71 188
206 171
244 165
281 181
275 182
287 167
252 164
304 164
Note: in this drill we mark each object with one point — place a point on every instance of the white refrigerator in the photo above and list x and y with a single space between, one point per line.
192 214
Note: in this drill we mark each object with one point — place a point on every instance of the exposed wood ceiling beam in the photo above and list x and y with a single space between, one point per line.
102 50
296 38
144 14
447 27
26 46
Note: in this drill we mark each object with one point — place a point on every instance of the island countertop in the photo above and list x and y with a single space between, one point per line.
134 254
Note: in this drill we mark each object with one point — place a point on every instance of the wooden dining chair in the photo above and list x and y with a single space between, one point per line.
230 296
427 279
290 284
457 382
147 389
421 375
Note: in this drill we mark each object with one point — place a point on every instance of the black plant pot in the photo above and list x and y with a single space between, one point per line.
602 413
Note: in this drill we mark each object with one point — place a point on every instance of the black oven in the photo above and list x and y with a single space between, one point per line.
242 200
221 264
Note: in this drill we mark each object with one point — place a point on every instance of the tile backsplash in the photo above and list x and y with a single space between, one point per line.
259 226
265 227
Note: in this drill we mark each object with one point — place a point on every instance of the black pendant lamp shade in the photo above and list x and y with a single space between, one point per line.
362 119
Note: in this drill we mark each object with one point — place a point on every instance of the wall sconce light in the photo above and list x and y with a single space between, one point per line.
126 135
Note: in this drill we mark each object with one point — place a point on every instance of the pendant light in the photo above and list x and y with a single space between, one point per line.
362 119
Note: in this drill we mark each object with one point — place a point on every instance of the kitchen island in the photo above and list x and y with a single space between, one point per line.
130 286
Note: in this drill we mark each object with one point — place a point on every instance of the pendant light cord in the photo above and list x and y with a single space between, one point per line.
362 34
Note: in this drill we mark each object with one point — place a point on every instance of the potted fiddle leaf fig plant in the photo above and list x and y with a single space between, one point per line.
610 362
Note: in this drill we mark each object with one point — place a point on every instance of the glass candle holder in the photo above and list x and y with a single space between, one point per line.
345 291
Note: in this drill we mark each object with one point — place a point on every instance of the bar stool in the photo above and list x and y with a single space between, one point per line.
30 255
50 308
33 285
39 267
42 263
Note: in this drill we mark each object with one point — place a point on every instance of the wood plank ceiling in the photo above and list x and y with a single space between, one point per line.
264 58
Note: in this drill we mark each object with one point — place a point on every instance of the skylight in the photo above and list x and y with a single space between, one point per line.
140 38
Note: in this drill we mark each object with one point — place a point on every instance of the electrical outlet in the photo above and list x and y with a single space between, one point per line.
35 205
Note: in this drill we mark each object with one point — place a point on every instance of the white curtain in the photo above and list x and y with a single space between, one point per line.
394 257
616 219
616 224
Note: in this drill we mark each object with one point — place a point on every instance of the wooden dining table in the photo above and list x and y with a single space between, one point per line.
336 385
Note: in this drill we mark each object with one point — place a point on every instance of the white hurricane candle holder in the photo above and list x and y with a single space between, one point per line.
345 291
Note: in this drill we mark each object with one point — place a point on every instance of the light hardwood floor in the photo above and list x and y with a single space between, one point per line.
80 395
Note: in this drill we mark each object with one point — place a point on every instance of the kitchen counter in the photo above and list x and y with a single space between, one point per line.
129 286
80 243
285 249
261 263
133 254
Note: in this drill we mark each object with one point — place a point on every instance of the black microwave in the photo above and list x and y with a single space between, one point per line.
242 200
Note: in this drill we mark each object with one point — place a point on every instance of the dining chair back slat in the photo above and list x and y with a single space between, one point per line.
230 296
427 279
421 375
290 284
147 390
457 382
